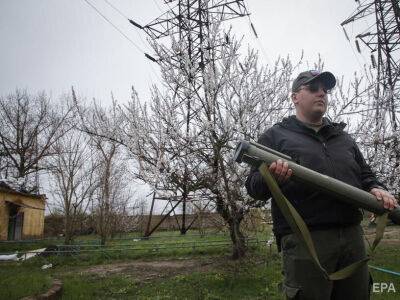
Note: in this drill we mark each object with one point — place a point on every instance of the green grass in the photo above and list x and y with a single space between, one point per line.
93 287
250 278
17 282
254 277
387 257
161 244
120 239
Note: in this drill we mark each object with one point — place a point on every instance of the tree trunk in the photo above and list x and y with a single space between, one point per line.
238 240
67 238
184 199
103 239
68 229
233 219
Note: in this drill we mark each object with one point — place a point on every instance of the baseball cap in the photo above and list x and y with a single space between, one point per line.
306 77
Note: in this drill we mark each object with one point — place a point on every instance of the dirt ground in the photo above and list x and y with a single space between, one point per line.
142 270
149 270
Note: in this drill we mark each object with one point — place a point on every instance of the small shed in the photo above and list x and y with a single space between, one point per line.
21 213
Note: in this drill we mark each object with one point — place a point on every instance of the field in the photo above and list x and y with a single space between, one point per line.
168 266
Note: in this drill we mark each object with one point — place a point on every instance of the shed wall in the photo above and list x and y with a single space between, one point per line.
33 209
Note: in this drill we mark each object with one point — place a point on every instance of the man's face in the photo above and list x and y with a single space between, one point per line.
311 100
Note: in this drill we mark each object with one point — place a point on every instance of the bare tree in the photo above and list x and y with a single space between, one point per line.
29 126
104 207
72 170
159 137
112 194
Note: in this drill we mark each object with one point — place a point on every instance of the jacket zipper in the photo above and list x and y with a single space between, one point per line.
333 172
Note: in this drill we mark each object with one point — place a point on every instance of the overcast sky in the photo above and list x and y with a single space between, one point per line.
52 45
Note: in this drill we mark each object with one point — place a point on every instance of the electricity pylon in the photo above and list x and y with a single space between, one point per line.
383 40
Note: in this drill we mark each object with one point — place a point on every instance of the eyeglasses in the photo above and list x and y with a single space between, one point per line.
314 87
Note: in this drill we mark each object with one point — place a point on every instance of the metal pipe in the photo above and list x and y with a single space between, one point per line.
253 154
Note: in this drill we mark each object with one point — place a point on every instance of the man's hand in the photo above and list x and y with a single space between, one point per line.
280 170
389 201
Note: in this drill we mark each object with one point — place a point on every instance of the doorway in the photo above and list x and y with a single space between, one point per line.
15 222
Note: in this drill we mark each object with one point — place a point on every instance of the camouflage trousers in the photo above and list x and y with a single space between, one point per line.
336 248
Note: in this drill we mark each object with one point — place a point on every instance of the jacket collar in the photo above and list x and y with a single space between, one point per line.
292 123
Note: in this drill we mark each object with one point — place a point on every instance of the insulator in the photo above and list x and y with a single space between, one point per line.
150 57
135 24
254 30
358 46
345 33
373 61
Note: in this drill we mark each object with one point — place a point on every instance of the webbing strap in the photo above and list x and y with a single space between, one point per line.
380 230
298 226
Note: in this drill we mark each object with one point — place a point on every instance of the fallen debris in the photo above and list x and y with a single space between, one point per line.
9 257
30 254
44 267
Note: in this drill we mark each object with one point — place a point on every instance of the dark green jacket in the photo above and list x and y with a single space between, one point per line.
331 151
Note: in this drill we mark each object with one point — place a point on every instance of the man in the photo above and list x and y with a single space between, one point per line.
321 145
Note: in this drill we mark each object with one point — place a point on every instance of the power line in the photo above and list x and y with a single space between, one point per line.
115 27
158 6
124 16
120 31
139 35
116 9
252 29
